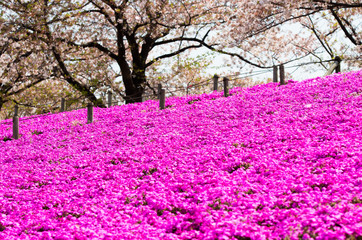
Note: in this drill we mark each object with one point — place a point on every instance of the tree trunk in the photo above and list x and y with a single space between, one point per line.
135 86
134 95
1 103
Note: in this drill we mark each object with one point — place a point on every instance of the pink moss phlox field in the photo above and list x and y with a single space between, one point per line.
268 162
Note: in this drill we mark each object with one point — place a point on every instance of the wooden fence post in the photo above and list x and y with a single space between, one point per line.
281 73
226 85
338 60
275 74
215 79
62 105
16 110
16 123
89 113
109 99
162 99
159 88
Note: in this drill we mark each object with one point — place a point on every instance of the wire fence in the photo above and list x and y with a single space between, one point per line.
278 76
206 82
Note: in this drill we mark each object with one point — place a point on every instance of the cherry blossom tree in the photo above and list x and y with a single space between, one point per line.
37 22
256 32
137 34
17 53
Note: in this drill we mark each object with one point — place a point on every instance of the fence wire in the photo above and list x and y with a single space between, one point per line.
133 97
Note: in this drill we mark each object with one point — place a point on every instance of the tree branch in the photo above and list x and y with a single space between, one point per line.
103 12
344 29
40 79
95 45
172 54
326 47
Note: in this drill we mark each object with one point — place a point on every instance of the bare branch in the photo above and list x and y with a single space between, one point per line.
344 29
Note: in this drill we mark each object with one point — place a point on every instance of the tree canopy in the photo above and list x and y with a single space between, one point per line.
81 41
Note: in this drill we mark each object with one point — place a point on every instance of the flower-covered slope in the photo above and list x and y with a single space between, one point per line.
268 162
